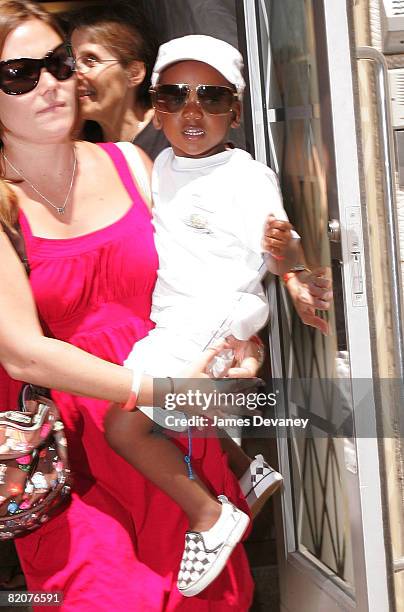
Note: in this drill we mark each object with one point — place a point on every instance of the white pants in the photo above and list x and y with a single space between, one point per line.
168 350
163 353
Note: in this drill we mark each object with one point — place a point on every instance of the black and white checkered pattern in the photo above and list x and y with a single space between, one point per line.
259 471
196 559
259 482
206 553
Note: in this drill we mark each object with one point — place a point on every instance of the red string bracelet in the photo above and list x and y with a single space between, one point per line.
130 403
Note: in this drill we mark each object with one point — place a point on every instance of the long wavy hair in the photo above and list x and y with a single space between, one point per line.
12 14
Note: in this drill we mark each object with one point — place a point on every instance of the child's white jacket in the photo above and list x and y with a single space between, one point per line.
209 216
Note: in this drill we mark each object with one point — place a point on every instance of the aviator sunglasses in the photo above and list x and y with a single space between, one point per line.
19 76
213 99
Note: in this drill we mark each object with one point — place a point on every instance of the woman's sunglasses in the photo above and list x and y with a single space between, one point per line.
214 99
19 76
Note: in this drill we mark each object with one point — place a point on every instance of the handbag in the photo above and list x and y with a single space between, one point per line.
35 480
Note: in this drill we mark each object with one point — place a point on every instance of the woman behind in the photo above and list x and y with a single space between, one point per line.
116 48
90 246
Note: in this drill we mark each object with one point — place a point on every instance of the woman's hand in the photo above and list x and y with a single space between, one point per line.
195 383
311 291
197 369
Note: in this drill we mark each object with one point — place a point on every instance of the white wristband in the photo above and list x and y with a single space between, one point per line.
137 374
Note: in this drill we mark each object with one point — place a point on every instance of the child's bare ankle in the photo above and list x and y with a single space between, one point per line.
207 516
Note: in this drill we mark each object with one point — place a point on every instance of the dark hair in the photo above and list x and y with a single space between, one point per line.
12 14
125 31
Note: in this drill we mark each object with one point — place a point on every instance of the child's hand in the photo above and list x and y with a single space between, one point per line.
277 237
248 357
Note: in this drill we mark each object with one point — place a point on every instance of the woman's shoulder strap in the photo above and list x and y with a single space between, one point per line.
137 168
126 173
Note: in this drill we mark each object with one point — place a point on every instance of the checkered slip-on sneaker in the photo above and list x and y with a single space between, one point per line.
206 552
258 483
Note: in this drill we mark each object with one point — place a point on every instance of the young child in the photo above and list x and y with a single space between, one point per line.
210 206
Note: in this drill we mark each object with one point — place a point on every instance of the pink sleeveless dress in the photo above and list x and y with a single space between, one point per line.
118 545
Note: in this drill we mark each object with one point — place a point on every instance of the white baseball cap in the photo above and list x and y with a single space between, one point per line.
219 54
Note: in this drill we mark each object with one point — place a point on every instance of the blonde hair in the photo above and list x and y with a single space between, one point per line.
12 14
8 205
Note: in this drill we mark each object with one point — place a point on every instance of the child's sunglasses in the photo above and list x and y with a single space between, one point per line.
19 76
214 99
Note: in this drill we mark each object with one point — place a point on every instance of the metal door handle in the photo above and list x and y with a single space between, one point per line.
334 230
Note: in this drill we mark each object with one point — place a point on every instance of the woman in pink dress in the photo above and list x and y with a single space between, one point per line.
93 266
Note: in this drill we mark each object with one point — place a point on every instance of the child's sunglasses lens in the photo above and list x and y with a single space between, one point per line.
22 75
215 100
169 98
